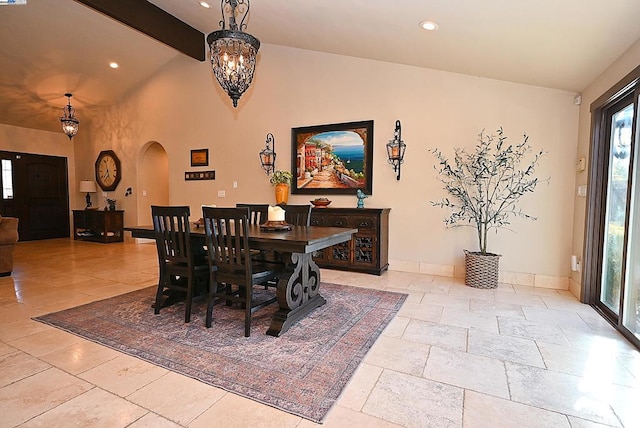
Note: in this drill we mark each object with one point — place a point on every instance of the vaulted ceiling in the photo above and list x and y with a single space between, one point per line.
50 47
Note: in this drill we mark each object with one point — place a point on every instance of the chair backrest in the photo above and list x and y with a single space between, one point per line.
258 213
227 236
297 215
173 237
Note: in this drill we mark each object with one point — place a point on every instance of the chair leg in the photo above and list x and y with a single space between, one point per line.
228 291
187 306
247 311
156 307
213 286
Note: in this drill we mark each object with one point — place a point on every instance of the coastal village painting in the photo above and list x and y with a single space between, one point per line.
333 158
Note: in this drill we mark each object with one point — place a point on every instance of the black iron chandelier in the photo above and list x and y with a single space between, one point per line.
268 155
69 121
233 52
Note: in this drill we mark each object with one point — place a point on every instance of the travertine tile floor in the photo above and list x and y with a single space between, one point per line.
453 357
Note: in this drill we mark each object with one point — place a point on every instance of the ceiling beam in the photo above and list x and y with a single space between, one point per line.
154 22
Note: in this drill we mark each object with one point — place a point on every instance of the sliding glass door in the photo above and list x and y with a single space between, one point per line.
611 280
619 120
631 296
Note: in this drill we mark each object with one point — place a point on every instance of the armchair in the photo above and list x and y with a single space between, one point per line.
8 239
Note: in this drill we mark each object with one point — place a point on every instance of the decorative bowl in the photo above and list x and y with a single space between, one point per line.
320 202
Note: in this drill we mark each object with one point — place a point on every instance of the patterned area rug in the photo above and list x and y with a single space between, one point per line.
302 372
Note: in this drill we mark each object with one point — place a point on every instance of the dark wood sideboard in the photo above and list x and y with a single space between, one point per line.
98 225
367 251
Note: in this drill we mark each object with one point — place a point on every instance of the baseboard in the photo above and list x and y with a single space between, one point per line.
516 278
575 288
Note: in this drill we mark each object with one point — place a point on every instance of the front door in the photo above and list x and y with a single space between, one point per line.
35 189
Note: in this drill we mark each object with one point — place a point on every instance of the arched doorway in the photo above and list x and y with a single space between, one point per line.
153 180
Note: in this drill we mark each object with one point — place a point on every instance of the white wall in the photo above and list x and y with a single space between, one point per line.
619 69
183 108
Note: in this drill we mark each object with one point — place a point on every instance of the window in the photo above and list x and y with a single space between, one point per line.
7 179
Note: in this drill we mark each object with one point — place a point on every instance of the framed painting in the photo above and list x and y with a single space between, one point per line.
200 157
332 159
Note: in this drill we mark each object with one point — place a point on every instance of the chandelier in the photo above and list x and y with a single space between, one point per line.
233 52
69 121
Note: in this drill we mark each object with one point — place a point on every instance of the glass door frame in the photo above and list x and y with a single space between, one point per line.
595 227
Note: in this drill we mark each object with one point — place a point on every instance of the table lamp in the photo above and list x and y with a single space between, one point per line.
88 186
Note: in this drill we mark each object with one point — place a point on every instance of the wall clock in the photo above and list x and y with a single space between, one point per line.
108 171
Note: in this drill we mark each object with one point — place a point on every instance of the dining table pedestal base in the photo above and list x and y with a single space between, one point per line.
297 291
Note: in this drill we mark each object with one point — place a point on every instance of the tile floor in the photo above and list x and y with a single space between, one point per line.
453 357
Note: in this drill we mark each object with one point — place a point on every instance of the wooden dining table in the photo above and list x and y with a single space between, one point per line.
298 288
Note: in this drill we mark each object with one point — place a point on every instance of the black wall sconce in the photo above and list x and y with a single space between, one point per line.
268 155
395 149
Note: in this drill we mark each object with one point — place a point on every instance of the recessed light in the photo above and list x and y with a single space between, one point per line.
204 4
429 25
113 65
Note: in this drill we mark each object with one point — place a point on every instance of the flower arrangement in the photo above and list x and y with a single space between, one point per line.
281 177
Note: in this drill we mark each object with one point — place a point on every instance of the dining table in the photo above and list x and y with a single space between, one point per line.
298 287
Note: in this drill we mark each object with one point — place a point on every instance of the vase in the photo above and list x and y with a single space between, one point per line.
481 270
282 193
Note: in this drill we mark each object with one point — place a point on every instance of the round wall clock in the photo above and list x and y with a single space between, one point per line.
108 172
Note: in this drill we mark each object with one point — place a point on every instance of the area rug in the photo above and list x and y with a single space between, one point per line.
302 372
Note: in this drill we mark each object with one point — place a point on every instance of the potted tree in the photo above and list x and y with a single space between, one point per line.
485 186
281 180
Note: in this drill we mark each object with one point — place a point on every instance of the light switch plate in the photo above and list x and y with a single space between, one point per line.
582 190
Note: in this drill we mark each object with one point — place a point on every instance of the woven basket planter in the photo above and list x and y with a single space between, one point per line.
481 270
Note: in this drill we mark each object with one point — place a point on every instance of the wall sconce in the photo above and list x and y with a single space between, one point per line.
88 187
395 149
268 155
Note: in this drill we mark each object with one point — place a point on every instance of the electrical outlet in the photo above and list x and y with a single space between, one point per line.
235 184
222 194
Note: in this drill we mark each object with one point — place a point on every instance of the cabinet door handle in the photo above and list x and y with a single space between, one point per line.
339 223
364 224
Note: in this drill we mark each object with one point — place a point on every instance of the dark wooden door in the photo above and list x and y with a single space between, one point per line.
38 196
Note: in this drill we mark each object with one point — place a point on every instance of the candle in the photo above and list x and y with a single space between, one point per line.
275 213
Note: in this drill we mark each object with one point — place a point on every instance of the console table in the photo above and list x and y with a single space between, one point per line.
98 225
367 251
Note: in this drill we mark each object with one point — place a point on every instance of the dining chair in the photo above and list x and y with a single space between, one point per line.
180 269
227 238
297 215
258 213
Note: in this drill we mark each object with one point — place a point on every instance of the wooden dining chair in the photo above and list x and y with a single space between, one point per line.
180 270
227 237
297 215
258 213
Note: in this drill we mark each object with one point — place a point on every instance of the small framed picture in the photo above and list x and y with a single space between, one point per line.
200 157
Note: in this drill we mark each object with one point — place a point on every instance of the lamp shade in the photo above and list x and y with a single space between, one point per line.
87 186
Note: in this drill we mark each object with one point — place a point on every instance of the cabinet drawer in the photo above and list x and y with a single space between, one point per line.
318 220
364 223
337 221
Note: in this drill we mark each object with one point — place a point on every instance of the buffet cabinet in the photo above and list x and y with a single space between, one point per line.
367 251
99 226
